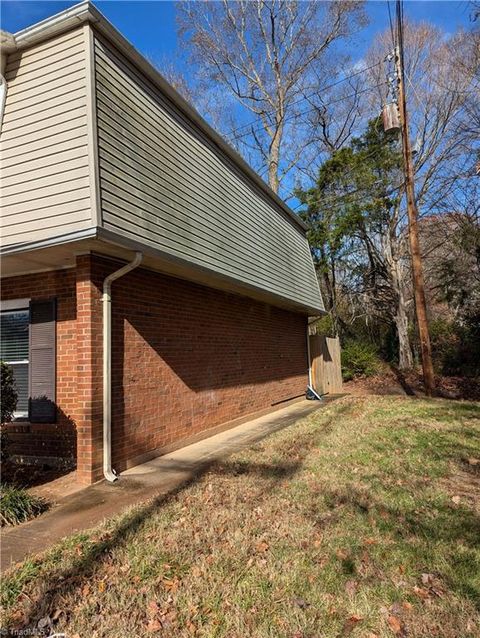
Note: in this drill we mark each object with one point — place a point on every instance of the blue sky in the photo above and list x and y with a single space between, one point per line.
150 26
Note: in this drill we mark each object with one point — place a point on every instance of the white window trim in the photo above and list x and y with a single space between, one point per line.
12 305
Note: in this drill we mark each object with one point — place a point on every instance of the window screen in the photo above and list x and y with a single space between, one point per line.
14 349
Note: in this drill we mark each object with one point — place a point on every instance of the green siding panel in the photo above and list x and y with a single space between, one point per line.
165 184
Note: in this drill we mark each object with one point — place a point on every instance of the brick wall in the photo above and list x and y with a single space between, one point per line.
59 439
89 279
187 358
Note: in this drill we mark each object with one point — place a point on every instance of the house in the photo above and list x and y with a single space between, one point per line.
153 287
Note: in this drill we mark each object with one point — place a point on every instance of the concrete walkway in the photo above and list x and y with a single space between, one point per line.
91 505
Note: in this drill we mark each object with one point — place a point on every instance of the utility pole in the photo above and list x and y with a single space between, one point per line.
417 270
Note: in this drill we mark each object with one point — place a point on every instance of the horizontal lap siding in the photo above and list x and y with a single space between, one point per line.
164 183
45 170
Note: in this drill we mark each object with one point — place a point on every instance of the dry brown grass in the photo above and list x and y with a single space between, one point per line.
348 523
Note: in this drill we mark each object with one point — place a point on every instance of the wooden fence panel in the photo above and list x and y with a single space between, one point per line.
326 364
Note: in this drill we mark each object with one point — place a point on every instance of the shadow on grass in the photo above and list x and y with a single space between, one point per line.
434 534
443 409
65 580
423 521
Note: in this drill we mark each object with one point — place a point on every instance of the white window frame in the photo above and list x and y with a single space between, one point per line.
16 305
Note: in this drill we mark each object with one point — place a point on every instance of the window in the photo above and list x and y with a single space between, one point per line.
14 350
28 339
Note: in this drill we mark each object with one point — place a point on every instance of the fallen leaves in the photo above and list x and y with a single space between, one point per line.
432 586
421 592
160 616
154 625
395 624
370 541
427 579
262 546
350 624
171 584
300 602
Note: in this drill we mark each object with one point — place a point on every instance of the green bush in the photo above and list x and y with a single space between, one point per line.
359 360
8 403
455 346
445 344
9 393
17 505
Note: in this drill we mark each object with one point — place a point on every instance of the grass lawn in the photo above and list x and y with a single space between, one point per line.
361 520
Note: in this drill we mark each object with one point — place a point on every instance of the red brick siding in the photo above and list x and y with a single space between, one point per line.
50 439
89 370
187 358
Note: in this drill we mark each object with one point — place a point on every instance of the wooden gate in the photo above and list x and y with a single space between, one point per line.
325 364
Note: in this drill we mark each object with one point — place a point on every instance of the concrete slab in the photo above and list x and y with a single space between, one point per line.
90 506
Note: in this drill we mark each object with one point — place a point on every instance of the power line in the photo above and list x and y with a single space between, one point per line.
305 97
349 172
338 198
314 108
392 31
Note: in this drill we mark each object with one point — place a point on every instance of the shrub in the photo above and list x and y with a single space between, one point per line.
359 360
445 344
17 505
9 393
455 346
8 402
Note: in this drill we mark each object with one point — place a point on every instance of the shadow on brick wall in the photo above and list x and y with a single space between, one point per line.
36 453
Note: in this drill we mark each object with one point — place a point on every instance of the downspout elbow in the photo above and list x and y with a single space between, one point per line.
108 472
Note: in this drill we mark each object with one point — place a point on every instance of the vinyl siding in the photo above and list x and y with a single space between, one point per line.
165 184
45 163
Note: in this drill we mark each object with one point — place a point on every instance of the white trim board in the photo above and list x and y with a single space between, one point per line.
14 304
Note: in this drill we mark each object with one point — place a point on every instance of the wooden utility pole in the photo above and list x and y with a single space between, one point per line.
417 270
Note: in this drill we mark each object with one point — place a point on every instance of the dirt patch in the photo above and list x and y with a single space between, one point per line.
391 381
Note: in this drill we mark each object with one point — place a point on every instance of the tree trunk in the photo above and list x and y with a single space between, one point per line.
405 358
392 250
274 157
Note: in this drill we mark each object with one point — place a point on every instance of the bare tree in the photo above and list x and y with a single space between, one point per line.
443 90
266 55
444 110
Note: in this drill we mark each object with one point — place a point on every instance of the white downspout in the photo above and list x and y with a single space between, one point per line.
108 472
310 384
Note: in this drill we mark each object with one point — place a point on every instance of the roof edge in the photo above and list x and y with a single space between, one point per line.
87 12
98 233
